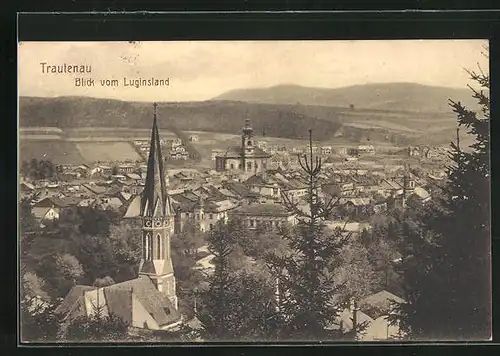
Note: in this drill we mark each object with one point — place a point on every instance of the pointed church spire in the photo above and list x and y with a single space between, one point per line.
155 200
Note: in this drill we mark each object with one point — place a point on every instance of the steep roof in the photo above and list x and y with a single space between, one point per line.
237 188
155 302
74 294
259 179
155 200
134 208
118 300
379 303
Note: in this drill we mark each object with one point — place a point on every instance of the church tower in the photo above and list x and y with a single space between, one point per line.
157 222
247 143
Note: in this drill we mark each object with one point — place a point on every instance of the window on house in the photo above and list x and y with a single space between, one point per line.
211 216
211 226
232 166
197 216
239 166
249 165
256 166
203 216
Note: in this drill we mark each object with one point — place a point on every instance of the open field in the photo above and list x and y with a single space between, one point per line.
23 136
58 151
40 130
88 145
108 151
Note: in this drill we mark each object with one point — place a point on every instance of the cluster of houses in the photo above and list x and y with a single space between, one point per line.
206 196
432 153
175 148
178 150
242 185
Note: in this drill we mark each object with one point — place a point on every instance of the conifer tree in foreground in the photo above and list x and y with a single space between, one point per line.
238 304
446 265
306 275
214 302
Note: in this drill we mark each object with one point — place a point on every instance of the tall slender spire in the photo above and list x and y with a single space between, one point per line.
157 222
155 200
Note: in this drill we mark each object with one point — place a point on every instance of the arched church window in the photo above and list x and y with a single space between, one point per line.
249 143
147 246
158 247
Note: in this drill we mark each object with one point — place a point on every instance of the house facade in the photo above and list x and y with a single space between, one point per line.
263 215
244 158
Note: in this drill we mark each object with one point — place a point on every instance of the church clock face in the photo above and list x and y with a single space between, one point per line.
157 223
147 223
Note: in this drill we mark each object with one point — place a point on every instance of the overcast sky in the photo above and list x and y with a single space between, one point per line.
201 70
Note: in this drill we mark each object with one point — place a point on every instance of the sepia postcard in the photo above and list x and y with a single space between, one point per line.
254 191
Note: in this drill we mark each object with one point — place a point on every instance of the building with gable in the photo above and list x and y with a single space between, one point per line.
150 300
247 158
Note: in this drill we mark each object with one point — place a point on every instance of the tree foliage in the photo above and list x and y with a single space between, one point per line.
40 170
306 277
446 264
97 328
215 300
39 323
61 271
249 309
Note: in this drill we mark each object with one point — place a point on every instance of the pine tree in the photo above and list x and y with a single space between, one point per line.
306 279
214 302
446 266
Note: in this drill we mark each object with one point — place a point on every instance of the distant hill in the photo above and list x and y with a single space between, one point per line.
392 96
215 116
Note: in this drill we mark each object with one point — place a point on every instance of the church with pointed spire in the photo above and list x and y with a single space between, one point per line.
157 221
148 301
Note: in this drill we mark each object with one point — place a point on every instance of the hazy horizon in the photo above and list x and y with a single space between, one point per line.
203 70
217 95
